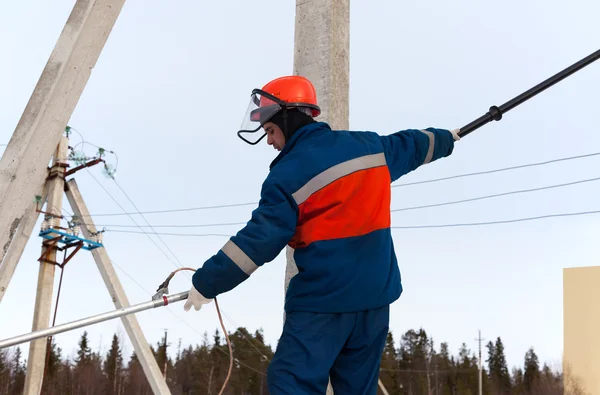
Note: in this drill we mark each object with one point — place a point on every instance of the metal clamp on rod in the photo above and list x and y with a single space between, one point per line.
495 113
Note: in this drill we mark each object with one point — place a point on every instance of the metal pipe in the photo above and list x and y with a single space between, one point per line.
160 302
495 113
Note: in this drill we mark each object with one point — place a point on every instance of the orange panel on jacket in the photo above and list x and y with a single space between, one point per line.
353 205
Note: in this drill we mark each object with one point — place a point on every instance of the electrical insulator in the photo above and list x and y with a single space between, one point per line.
44 225
76 230
100 237
51 222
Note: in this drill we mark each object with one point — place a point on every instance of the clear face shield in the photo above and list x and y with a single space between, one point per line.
262 107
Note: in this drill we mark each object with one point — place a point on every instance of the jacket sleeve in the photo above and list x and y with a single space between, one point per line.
270 228
408 149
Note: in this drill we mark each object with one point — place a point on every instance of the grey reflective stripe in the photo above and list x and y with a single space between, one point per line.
239 257
338 171
429 155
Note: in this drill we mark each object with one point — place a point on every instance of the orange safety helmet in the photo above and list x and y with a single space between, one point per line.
277 95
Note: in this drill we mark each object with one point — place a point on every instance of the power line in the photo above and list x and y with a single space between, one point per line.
165 244
403 227
508 221
393 186
171 234
394 210
118 204
175 256
465 371
499 170
498 195
177 209
178 226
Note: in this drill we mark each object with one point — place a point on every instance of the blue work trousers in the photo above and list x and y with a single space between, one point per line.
314 347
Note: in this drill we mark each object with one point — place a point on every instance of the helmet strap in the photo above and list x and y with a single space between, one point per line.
285 125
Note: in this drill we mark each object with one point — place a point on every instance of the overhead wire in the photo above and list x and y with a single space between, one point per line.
83 142
171 234
178 225
508 221
497 170
177 210
134 221
393 210
497 195
153 230
180 268
467 224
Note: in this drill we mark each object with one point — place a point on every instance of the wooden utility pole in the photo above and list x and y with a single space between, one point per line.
45 287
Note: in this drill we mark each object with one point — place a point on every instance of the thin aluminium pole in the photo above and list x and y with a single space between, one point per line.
159 302
495 113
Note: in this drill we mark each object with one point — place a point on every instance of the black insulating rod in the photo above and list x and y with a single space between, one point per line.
495 113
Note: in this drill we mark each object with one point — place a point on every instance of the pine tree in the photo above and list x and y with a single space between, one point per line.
445 367
184 371
491 359
136 382
498 370
389 374
51 380
467 368
17 382
113 367
532 370
87 372
5 372
84 354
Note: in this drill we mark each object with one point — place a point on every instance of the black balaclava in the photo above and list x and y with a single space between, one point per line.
290 120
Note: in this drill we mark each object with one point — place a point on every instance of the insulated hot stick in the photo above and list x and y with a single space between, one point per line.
495 113
160 299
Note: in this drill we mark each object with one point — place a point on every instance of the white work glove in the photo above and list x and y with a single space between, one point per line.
455 134
195 299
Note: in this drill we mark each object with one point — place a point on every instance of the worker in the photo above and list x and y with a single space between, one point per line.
327 196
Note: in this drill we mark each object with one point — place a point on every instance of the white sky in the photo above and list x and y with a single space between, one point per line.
169 93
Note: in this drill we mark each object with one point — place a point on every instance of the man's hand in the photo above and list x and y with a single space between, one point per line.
455 134
195 299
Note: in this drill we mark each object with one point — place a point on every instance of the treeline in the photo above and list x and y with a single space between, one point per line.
416 367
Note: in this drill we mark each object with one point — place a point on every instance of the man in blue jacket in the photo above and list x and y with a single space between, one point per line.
328 196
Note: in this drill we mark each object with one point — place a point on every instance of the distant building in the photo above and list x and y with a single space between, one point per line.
581 324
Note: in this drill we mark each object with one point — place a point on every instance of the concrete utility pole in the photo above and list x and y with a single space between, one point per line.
43 299
20 239
117 293
23 166
321 54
